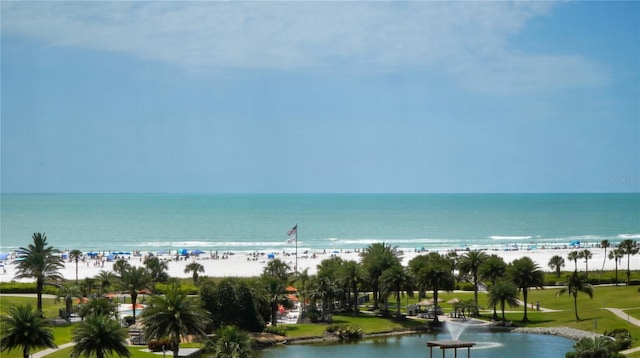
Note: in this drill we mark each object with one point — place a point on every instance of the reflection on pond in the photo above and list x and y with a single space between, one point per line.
490 344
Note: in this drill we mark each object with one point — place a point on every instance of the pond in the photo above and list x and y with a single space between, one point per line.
489 344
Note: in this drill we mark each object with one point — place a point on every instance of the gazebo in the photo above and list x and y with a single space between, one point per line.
444 345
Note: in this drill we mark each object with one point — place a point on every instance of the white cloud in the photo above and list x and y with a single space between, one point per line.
469 41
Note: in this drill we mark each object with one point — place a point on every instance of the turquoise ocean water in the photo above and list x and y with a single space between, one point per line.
250 222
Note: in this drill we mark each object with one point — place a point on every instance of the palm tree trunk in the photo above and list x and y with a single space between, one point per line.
355 299
25 352
524 297
575 307
435 303
176 348
39 288
274 314
504 320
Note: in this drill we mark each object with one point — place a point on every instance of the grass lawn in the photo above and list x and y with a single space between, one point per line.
368 323
591 311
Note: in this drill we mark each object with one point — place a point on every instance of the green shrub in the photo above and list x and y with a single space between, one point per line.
25 287
157 345
622 338
279 330
313 316
467 286
128 320
349 333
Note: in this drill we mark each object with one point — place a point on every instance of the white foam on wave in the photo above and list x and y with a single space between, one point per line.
212 244
629 236
496 237
396 241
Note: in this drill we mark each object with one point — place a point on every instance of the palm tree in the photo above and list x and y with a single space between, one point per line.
230 342
575 285
376 258
526 274
470 263
604 244
120 265
436 276
39 261
397 279
101 336
573 256
493 269
503 291
106 279
195 268
556 263
629 248
324 288
594 347
99 307
66 293
132 280
174 315
586 255
25 328
351 275
75 256
302 279
616 255
157 270
277 268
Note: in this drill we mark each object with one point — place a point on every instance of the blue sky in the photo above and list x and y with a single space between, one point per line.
361 97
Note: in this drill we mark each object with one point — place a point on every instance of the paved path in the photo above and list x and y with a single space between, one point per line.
620 313
51 350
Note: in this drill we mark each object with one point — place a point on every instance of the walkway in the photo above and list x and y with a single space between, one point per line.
620 313
48 351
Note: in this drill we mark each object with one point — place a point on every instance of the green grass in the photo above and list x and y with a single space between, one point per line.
368 323
593 316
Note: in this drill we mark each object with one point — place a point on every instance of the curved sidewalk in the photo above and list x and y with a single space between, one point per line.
620 313
48 351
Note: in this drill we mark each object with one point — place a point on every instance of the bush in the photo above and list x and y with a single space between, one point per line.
25 287
346 332
622 338
279 330
332 328
466 286
313 316
128 320
157 345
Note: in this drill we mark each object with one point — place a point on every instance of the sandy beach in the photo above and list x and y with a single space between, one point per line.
247 265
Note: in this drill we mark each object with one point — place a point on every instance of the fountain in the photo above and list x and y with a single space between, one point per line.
455 329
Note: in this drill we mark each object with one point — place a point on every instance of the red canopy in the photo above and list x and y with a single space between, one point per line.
291 289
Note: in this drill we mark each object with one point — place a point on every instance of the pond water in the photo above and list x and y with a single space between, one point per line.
490 344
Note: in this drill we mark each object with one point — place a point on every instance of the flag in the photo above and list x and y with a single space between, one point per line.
293 234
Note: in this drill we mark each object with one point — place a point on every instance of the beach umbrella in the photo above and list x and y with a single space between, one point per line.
4 257
291 289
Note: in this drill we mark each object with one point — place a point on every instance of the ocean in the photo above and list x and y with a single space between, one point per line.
259 222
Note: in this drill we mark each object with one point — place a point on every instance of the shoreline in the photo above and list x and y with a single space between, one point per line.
242 264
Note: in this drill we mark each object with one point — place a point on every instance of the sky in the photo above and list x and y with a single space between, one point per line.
320 97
